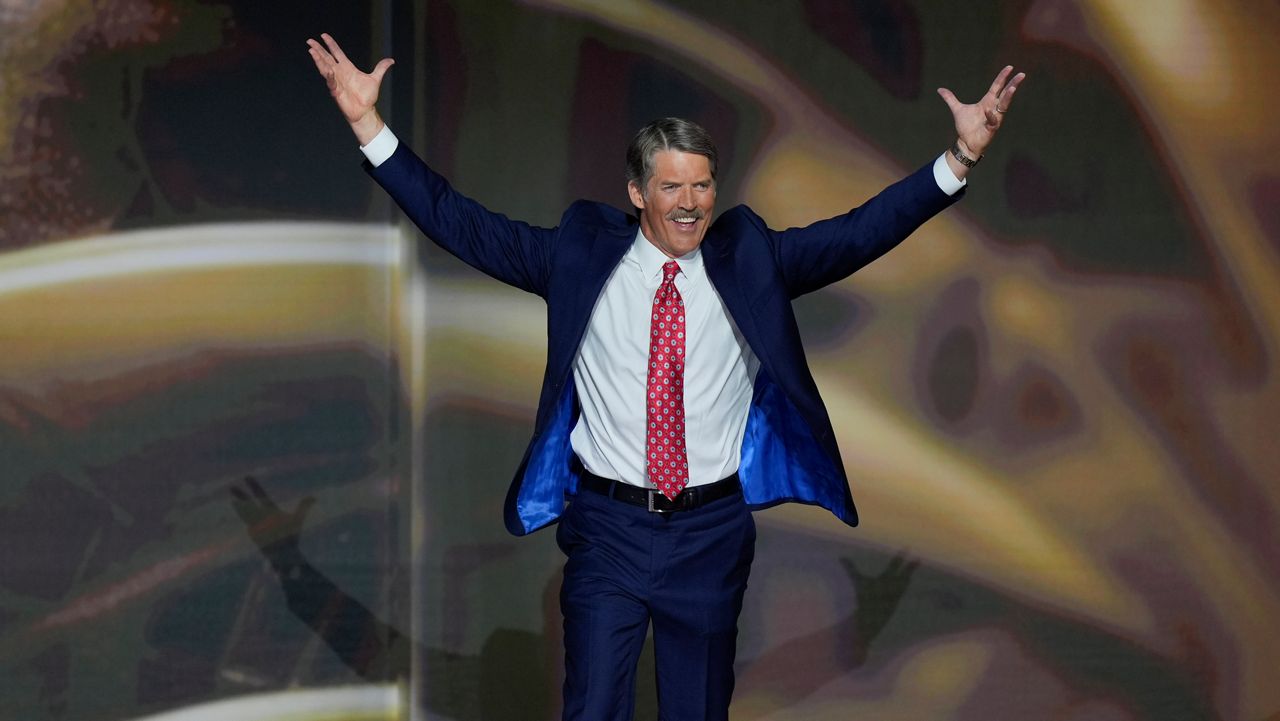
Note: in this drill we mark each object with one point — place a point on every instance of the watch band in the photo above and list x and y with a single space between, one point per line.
965 160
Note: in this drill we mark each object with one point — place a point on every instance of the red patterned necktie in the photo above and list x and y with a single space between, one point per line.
667 461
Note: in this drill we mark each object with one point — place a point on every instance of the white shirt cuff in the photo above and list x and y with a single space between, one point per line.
385 143
946 179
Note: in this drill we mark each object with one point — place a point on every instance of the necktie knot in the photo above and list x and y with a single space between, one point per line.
669 270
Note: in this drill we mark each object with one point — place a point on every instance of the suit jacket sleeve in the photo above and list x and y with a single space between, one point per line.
514 252
827 251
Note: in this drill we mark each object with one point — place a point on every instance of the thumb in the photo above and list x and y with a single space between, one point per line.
381 68
950 98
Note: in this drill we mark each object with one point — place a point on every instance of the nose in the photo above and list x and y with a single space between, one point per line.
686 198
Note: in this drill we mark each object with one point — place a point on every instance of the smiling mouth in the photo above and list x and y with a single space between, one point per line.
685 221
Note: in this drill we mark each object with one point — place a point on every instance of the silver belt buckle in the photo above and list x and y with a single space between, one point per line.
653 492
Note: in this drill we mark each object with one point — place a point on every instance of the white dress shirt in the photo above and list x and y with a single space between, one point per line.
610 372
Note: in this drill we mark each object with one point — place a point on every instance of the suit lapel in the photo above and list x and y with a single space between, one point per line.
718 257
609 245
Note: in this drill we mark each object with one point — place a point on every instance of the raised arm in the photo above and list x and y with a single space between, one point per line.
515 253
355 91
827 251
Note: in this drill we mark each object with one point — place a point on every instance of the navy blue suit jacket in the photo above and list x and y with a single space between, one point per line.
789 450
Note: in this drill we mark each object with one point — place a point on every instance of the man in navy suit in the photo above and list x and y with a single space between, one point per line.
676 397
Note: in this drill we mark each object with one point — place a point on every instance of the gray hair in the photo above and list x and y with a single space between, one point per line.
666 134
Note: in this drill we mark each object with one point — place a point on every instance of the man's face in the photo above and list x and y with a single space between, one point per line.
675 208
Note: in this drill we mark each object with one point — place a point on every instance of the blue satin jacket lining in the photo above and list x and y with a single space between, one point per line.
781 461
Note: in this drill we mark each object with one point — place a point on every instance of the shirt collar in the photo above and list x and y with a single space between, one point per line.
650 259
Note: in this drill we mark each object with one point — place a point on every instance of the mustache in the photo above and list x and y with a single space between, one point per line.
696 214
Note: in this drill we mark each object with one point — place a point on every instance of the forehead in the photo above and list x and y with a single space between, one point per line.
669 165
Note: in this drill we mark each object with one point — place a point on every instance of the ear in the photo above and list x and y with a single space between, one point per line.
637 198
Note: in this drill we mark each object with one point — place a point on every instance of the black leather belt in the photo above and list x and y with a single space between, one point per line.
653 500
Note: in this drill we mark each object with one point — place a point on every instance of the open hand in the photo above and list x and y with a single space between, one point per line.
355 91
977 123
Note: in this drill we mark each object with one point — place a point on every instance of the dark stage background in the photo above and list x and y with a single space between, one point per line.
1057 402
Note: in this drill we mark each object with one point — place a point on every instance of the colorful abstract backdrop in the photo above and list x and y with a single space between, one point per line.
255 432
